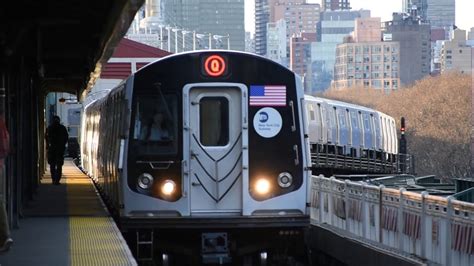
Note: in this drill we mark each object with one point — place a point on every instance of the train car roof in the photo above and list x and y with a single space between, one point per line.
340 103
216 51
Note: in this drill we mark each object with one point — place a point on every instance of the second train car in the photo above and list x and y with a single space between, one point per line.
348 138
204 154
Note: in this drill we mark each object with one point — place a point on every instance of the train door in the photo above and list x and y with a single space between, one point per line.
369 134
215 155
322 130
349 129
343 135
356 131
375 120
334 126
325 109
315 122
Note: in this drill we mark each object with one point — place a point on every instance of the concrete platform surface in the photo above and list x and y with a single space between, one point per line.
67 224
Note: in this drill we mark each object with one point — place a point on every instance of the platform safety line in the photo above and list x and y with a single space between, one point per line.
96 240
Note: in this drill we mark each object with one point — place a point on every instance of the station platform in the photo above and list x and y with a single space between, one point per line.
67 224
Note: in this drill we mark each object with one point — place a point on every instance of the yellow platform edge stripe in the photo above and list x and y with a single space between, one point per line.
95 240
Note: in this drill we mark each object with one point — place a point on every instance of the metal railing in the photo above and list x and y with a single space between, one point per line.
434 228
366 161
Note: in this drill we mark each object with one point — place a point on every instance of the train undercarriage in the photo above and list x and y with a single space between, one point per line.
249 241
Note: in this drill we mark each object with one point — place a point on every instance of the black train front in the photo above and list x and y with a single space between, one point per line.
208 142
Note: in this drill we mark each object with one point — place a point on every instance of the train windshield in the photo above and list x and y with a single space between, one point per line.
155 127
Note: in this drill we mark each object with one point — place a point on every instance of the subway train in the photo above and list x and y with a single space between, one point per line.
347 138
204 154
209 154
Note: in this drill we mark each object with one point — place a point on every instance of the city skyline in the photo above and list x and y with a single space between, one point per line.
382 9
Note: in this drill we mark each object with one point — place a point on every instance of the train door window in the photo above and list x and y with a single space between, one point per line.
394 134
334 118
327 116
348 118
214 121
360 120
311 112
354 121
389 136
342 119
320 117
374 130
384 133
154 123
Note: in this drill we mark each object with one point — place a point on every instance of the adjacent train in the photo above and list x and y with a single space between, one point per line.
204 151
348 138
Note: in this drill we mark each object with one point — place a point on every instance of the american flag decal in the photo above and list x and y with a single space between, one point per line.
267 96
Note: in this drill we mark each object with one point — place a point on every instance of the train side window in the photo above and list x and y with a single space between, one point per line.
214 121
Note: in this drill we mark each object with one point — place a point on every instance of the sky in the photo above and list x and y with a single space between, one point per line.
379 8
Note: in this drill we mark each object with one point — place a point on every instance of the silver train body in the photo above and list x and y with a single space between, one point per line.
231 161
344 133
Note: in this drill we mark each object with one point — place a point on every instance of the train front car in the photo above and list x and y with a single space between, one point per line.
216 157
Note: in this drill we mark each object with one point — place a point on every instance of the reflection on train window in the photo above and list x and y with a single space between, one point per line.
214 121
155 123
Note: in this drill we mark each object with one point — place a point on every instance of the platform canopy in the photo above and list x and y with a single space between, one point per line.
62 43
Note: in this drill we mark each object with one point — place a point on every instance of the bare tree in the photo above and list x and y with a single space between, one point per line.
438 116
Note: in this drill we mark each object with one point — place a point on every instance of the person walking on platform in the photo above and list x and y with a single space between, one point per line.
56 139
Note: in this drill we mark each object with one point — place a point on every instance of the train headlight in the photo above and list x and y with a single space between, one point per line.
262 186
145 181
168 187
285 179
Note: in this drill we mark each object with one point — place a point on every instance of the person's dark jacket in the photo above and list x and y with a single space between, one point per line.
56 139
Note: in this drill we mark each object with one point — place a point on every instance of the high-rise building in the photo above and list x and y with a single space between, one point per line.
364 60
367 64
332 28
276 42
420 6
456 54
214 17
415 46
367 30
470 34
300 52
440 13
299 16
249 42
263 8
332 5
